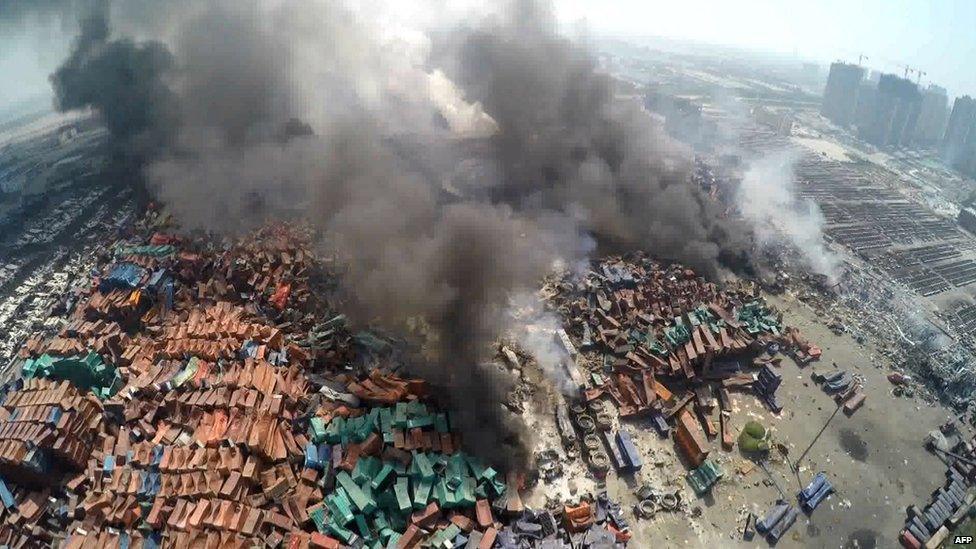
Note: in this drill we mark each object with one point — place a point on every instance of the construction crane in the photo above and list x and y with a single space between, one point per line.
862 57
908 69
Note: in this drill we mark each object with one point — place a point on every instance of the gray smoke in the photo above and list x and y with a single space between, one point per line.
564 144
408 255
767 196
767 199
218 77
124 82
436 230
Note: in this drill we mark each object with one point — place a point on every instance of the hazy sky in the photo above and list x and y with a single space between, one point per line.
939 36
27 58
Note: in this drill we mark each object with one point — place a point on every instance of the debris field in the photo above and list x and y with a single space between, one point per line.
206 394
662 346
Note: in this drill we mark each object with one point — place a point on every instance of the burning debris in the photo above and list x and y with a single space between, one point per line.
239 417
635 320
566 168
242 392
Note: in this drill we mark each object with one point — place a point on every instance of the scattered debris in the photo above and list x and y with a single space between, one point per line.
815 492
950 504
208 393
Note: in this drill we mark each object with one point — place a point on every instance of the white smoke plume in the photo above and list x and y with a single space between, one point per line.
767 199
536 330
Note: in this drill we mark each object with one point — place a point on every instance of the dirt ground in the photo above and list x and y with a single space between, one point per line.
875 459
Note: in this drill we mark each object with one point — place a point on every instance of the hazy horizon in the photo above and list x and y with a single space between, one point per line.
935 36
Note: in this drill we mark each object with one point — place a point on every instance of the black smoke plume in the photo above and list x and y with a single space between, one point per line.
125 83
437 231
565 144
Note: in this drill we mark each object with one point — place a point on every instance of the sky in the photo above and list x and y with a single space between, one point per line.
27 58
937 36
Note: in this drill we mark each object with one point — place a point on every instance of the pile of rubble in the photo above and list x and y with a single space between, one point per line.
950 505
932 347
203 395
663 343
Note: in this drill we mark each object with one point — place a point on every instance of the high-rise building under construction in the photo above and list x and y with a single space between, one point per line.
840 95
932 116
891 122
959 143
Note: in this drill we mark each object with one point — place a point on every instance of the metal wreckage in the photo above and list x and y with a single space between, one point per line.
195 393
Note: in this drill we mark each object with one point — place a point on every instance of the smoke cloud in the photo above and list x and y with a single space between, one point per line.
536 331
449 171
767 200
564 144
124 82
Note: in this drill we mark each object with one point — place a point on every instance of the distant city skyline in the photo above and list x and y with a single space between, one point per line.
936 36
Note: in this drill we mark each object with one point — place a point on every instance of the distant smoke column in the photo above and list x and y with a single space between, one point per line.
124 82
